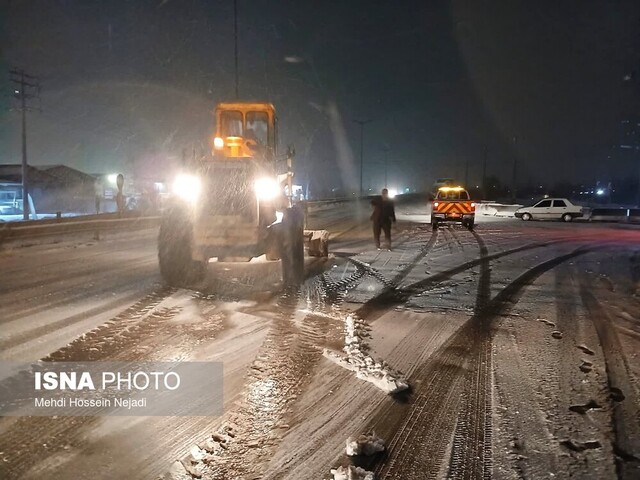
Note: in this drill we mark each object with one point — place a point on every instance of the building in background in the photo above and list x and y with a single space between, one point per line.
55 188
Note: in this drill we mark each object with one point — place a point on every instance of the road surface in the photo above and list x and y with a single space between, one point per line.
519 341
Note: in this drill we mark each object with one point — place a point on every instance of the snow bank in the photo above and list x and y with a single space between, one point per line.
351 473
322 235
497 209
358 361
364 445
183 470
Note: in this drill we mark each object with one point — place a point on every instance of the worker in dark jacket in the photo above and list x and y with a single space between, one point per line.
383 214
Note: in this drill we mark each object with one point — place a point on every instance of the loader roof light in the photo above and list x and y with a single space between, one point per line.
218 143
450 189
267 189
187 187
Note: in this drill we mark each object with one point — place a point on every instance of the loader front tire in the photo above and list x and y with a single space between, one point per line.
174 252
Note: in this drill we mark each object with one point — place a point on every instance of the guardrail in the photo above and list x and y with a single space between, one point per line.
107 223
626 215
64 226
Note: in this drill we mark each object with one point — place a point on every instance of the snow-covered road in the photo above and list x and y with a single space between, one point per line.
519 342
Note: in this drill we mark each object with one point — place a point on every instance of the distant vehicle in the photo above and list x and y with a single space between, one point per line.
441 182
11 205
550 209
453 204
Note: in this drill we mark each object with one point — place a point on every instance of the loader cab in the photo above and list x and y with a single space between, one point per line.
245 130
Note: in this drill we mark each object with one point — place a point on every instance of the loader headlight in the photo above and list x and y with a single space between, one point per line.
187 187
218 143
267 189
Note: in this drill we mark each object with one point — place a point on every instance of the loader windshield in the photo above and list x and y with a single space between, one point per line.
231 124
258 127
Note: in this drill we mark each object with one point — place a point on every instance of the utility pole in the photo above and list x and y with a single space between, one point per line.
235 36
362 123
484 172
385 149
515 170
24 82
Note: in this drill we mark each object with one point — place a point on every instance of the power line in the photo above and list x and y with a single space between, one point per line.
28 87
235 36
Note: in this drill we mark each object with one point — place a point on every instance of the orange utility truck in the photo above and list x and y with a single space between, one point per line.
453 204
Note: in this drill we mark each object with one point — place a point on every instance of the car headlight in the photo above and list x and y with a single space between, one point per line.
267 189
187 187
218 143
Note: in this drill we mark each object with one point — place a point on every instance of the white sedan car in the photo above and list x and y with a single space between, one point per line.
550 209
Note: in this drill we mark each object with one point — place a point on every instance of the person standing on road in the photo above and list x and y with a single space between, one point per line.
383 215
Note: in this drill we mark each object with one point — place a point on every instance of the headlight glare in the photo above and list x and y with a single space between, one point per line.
187 187
267 189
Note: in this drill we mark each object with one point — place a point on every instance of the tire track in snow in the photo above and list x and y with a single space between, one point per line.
446 416
51 271
276 378
626 409
389 298
436 398
455 236
363 269
27 441
437 407
471 448
72 288
91 345
392 285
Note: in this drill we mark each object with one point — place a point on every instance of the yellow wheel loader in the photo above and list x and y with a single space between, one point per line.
234 204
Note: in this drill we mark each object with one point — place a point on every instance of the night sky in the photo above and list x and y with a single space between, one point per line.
128 85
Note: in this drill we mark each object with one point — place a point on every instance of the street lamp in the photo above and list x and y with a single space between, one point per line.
515 167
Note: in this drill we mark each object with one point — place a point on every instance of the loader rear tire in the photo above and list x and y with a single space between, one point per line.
292 247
